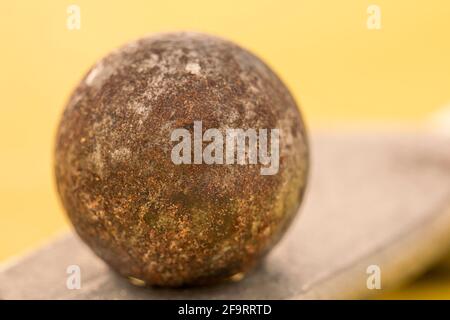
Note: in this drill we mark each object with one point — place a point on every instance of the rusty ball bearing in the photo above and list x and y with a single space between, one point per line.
149 201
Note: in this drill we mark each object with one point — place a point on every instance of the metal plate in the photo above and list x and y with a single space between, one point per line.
374 199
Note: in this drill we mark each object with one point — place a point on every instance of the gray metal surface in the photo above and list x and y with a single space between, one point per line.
373 198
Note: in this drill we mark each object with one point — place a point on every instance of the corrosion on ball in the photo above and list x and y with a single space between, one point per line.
162 223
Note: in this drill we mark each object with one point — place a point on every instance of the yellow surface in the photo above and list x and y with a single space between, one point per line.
335 66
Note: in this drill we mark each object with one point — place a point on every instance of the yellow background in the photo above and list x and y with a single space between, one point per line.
336 68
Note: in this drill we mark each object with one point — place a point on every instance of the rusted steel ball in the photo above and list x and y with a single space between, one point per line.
172 221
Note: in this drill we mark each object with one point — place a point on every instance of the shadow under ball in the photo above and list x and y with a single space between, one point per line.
171 224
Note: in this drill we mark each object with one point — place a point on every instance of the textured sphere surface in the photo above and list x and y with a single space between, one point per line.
177 224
